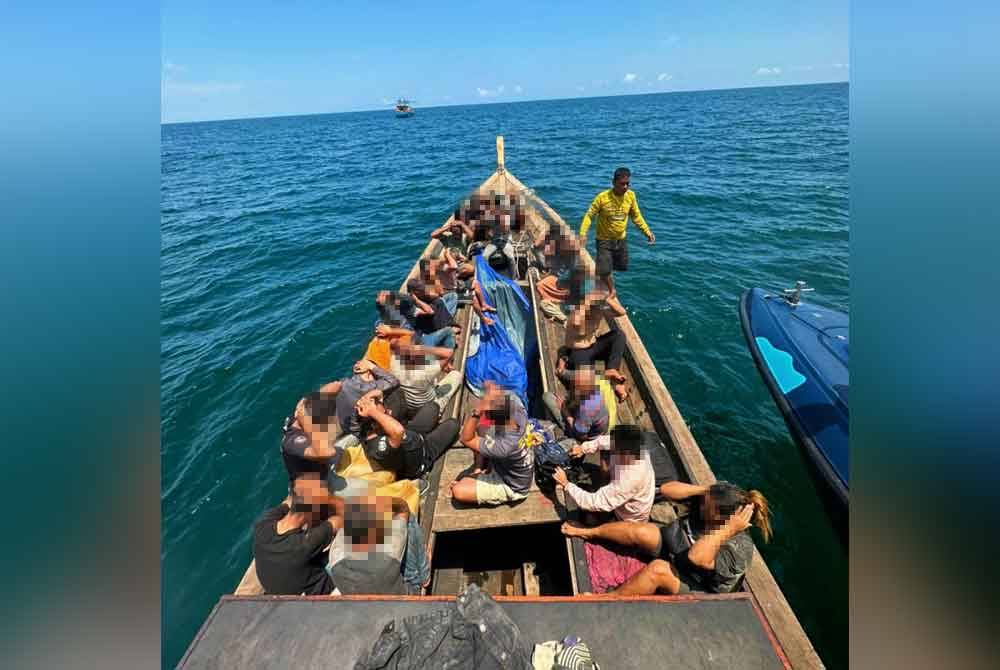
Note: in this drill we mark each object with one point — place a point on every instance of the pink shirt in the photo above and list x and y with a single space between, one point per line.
630 493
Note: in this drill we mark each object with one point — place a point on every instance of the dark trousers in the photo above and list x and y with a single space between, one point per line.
437 441
421 420
609 347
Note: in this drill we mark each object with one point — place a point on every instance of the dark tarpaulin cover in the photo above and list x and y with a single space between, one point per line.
504 346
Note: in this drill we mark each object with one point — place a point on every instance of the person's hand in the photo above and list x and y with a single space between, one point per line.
383 296
740 520
560 476
365 406
651 238
363 366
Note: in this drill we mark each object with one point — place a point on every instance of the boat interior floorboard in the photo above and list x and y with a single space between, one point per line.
451 516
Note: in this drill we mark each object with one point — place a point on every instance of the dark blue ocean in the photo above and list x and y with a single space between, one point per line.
276 234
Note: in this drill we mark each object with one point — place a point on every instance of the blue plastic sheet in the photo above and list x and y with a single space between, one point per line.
505 345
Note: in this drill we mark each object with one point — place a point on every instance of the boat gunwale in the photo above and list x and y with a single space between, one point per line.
780 623
759 581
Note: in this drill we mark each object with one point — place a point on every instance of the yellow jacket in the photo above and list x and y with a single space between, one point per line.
612 215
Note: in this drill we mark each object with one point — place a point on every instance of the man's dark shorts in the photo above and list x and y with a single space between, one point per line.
611 255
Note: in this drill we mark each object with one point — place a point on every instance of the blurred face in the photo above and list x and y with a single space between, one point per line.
621 184
584 381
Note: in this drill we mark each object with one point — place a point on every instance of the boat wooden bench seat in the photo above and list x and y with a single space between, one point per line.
537 508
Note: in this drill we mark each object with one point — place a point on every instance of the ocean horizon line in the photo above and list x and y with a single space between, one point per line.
503 102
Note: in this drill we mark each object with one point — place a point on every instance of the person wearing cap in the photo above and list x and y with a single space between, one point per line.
632 488
290 541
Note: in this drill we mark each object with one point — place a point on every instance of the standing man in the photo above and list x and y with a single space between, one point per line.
613 209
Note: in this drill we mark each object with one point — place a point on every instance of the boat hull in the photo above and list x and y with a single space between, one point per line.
801 353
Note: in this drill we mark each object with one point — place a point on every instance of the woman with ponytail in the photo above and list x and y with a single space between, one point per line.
708 551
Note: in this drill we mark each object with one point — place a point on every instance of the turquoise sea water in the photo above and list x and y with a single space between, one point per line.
276 234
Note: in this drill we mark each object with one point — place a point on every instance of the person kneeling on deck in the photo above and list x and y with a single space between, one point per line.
708 551
417 368
366 559
504 469
402 450
584 347
632 488
584 415
290 541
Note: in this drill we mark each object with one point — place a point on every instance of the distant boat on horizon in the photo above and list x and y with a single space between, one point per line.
403 108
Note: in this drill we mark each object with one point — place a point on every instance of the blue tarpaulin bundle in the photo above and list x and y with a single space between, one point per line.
502 348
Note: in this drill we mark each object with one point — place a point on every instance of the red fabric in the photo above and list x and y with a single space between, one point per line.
610 566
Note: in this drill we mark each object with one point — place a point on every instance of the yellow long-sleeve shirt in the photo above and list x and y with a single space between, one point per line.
612 215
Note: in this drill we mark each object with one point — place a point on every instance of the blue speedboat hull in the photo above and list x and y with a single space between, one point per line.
801 352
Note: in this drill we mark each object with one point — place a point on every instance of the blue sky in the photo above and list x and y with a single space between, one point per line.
234 60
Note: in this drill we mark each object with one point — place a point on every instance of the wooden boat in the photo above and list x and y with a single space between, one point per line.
403 108
518 553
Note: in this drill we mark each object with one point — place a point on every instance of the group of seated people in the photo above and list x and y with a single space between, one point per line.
336 534
709 550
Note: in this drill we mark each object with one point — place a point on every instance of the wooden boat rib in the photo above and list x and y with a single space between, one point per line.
649 404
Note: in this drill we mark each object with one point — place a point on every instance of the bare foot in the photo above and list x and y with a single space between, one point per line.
570 530
487 308
621 392
488 321
615 376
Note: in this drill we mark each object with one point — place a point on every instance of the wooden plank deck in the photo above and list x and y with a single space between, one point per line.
449 516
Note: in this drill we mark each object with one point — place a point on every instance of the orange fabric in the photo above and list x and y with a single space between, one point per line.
548 289
379 351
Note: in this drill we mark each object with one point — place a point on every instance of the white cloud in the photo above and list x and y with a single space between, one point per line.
485 92
768 71
630 77
500 88
206 88
841 65
170 67
517 88
581 88
663 76
802 68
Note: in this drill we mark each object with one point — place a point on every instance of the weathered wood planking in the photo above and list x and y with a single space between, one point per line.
448 516
249 584
664 415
